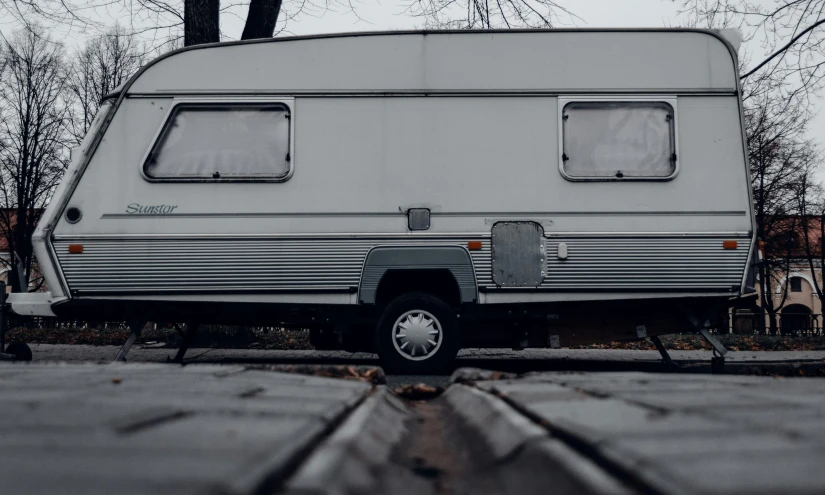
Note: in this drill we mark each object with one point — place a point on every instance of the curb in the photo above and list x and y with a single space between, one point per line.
350 460
527 458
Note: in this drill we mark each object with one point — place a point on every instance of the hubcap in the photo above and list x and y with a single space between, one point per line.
416 335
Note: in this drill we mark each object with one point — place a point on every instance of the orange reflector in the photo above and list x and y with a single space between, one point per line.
730 244
75 248
474 245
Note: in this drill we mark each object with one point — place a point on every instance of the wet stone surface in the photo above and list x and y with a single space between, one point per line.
439 455
142 428
785 363
248 429
685 433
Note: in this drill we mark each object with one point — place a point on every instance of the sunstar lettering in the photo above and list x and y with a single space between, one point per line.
138 209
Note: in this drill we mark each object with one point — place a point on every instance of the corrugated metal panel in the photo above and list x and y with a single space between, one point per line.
463 275
228 265
244 264
601 263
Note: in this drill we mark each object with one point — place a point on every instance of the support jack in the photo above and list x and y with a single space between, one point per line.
665 356
136 327
717 362
187 338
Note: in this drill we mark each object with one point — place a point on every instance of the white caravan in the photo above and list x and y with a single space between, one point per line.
414 192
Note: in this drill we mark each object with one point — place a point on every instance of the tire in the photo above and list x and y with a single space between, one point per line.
20 351
431 353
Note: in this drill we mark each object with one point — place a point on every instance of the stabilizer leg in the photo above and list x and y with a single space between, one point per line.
136 327
188 338
665 356
717 362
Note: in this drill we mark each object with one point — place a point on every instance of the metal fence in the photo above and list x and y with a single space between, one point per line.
803 324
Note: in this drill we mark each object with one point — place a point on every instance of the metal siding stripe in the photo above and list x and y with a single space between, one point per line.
198 264
180 264
644 263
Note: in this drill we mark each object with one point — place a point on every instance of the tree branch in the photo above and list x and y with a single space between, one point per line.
782 50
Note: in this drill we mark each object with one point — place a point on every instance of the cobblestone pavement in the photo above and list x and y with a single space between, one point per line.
233 430
668 433
143 428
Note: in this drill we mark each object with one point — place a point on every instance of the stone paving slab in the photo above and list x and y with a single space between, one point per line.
352 458
229 429
526 458
150 428
684 433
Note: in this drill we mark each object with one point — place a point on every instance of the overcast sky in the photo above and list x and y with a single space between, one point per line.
389 14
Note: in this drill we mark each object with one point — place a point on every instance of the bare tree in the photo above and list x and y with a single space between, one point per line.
812 222
778 110
201 21
784 188
784 249
261 19
791 34
484 14
32 142
104 63
165 20
779 156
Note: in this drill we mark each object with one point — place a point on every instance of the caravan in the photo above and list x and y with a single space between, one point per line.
411 193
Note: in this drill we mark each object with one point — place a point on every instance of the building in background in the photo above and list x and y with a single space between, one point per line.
794 269
36 281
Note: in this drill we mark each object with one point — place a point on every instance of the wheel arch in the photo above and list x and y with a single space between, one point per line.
383 262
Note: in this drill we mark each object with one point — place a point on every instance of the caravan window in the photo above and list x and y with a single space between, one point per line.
618 139
220 142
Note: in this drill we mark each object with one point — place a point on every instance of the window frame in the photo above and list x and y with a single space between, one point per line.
793 280
177 103
669 100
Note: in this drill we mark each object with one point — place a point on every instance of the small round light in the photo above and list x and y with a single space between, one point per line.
73 215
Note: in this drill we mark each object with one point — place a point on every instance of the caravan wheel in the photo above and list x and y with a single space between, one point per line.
417 334
20 351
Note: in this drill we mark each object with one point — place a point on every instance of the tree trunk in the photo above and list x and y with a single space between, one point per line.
14 278
17 253
773 328
261 19
201 22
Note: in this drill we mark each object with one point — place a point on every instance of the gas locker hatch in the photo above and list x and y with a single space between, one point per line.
518 251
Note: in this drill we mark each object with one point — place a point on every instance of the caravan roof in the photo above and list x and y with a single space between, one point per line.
557 61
